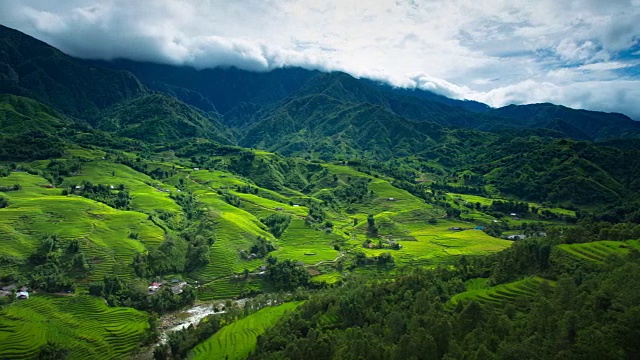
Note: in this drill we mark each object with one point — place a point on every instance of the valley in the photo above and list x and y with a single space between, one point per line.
351 217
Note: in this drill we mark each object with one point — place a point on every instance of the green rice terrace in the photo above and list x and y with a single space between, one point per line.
237 340
341 212
83 324
226 232
599 251
503 294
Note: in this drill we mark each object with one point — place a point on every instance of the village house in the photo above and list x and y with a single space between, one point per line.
154 286
517 237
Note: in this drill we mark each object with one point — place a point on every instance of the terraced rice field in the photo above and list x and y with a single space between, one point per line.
228 288
237 340
502 294
103 232
84 325
236 230
272 205
302 243
145 198
473 199
599 251
431 244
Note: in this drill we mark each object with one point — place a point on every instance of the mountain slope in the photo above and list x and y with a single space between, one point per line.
29 67
160 118
30 130
325 125
597 125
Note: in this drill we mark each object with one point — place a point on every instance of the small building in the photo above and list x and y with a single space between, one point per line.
517 237
371 246
278 208
455 228
4 293
391 199
295 205
154 286
196 169
262 268
23 295
513 214
177 288
9 288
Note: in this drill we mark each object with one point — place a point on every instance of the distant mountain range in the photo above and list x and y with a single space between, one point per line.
51 99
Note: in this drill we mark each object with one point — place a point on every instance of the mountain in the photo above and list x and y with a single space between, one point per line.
107 99
160 118
220 89
30 130
29 67
596 125
329 127
298 112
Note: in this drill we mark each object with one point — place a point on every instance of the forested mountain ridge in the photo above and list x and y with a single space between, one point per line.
29 67
596 125
244 97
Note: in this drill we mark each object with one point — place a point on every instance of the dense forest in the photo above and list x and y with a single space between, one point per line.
584 313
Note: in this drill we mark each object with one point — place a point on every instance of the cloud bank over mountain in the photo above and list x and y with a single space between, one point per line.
583 54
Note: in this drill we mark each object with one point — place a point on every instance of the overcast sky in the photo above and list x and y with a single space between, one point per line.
579 53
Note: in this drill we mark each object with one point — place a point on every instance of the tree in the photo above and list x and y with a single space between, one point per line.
371 225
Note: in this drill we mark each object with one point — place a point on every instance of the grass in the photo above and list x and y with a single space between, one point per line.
504 293
238 340
82 324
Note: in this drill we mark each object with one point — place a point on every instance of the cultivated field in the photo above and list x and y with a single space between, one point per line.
503 294
237 340
599 251
83 325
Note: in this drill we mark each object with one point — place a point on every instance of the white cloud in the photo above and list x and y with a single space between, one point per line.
497 50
